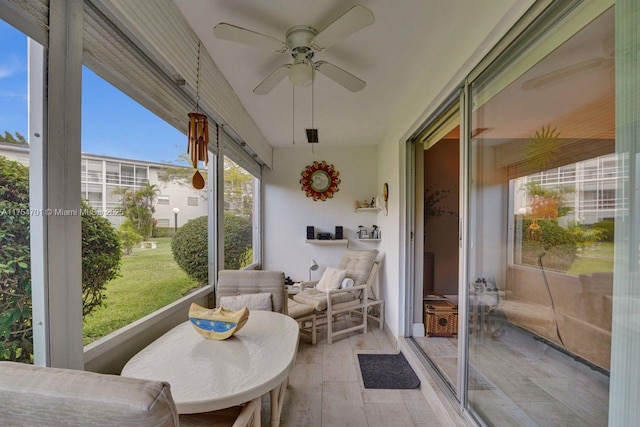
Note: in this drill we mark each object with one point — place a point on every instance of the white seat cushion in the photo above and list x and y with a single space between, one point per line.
318 300
260 301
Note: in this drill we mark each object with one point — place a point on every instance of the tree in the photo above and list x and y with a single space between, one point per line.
10 139
137 206
101 256
238 191
180 172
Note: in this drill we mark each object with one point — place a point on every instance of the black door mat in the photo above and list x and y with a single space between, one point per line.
388 371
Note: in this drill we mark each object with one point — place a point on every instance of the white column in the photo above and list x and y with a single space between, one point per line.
625 335
62 184
37 223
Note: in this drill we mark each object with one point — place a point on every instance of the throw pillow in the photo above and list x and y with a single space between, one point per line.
261 301
331 279
346 283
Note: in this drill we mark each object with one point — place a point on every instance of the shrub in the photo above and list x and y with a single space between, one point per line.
556 249
129 237
16 333
162 232
101 255
100 251
190 249
608 228
237 241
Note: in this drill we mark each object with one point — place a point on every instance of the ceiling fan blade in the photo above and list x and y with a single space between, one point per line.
233 33
563 73
340 76
351 21
272 80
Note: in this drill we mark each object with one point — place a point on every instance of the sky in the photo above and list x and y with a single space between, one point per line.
112 123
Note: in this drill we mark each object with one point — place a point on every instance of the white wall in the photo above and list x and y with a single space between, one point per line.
288 211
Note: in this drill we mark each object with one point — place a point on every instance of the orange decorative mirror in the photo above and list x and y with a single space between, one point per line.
320 180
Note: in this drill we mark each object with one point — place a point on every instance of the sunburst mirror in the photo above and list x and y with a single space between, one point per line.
320 181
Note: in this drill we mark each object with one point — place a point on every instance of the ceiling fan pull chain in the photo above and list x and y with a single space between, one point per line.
293 113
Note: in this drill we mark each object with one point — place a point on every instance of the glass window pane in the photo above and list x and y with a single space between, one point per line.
135 212
113 173
238 216
16 332
542 208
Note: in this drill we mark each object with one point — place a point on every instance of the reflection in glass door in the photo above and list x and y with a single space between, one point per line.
543 179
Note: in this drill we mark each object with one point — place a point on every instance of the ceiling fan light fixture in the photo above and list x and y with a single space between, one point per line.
301 74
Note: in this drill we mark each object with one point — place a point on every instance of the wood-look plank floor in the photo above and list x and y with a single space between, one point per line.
325 387
518 380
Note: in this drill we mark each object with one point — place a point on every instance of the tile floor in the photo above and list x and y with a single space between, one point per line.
325 388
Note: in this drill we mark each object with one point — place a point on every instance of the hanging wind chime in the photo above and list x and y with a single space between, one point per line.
198 135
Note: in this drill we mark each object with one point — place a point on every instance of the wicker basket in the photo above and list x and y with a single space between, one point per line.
440 318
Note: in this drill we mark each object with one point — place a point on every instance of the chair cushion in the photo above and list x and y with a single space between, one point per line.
318 300
331 279
358 264
236 282
260 301
39 396
297 310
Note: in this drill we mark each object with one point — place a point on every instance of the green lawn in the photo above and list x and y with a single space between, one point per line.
597 259
150 279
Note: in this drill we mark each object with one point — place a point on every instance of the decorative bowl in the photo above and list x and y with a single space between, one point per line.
217 323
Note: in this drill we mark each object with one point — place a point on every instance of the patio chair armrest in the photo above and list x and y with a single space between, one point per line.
360 292
306 285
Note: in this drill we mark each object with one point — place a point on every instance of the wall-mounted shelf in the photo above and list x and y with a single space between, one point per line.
328 242
366 209
369 240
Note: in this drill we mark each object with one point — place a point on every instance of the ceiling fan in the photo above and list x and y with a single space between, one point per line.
303 42
575 69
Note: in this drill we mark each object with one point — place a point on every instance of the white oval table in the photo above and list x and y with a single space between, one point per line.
208 375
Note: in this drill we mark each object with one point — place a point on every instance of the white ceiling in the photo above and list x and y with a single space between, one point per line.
406 56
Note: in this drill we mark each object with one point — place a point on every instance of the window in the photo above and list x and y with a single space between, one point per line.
94 171
192 201
127 175
238 215
113 173
149 278
16 219
142 174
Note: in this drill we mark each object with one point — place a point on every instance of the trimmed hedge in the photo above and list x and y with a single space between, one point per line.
162 232
190 249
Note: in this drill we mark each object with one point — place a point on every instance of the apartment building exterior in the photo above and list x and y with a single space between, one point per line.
103 175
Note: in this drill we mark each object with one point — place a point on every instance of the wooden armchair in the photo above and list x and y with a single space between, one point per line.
361 267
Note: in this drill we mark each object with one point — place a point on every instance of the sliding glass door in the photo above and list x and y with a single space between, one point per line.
544 201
